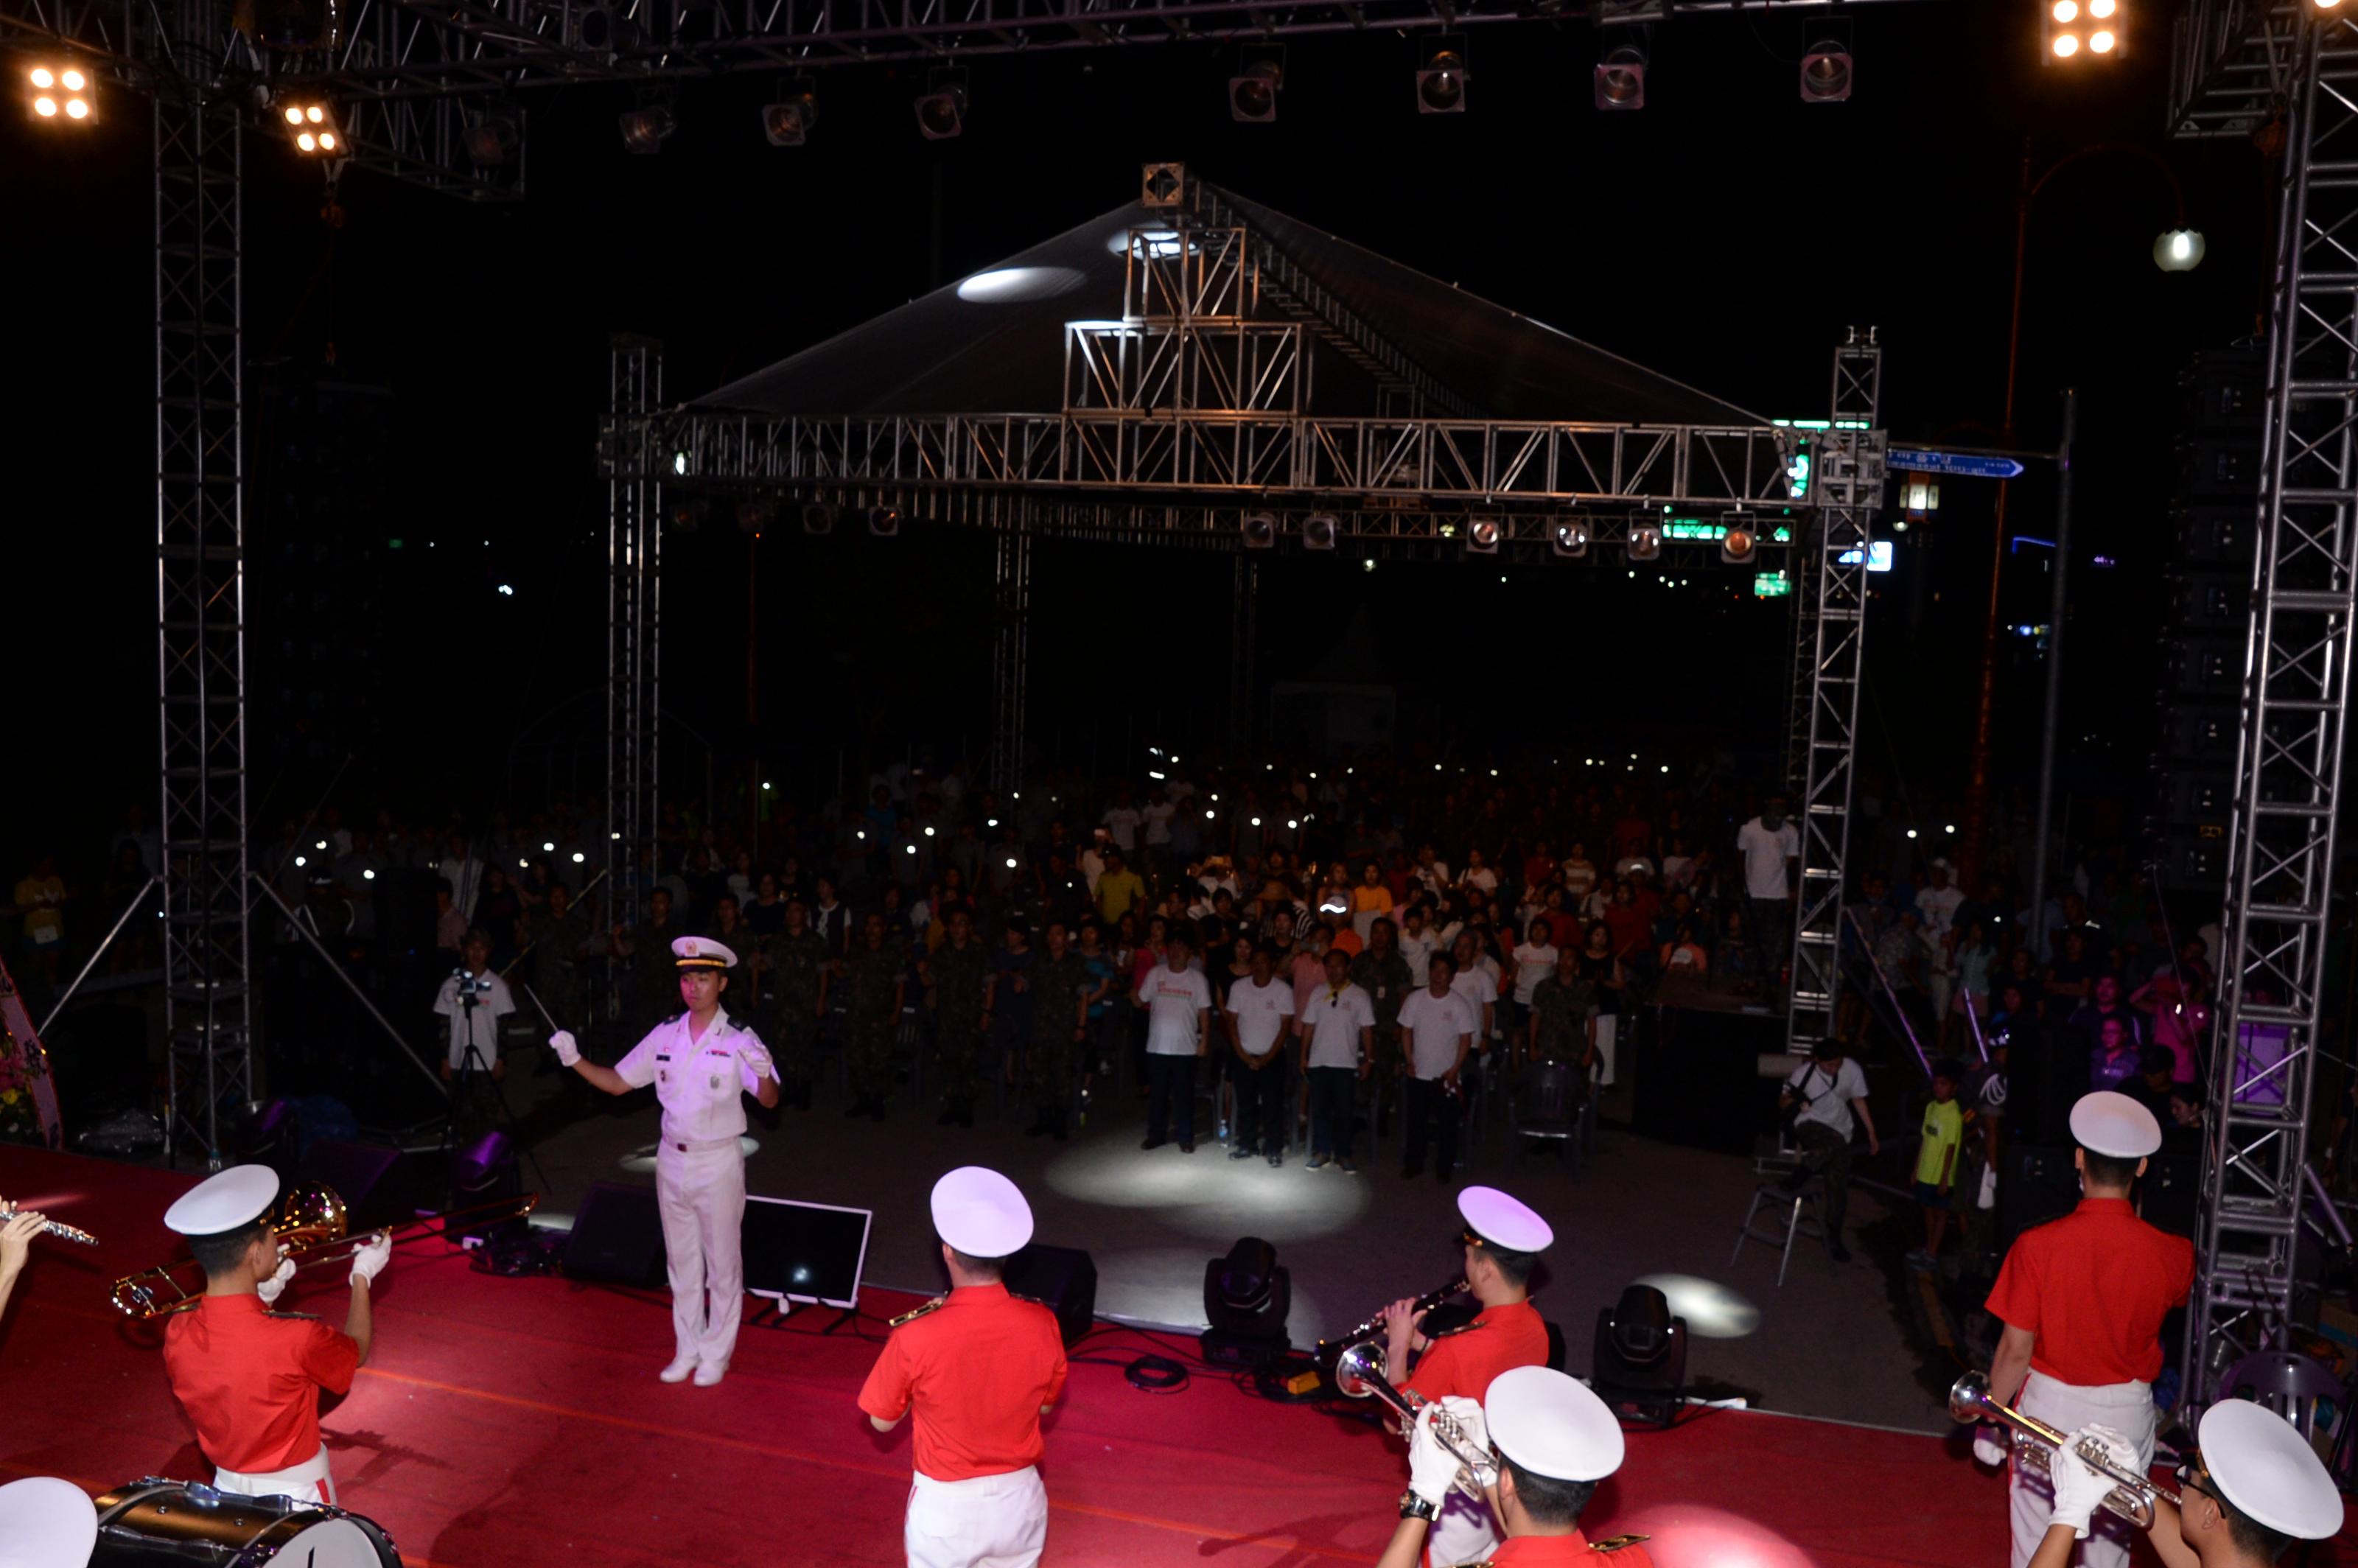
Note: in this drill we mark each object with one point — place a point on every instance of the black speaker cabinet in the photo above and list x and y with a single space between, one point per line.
1064 1279
616 1236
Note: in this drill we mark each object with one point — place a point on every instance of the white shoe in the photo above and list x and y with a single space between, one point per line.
678 1371
709 1374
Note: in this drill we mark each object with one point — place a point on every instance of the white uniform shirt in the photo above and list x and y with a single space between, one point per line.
1939 907
1433 1024
492 1002
1475 987
1173 1001
1831 1094
698 1083
1765 854
1417 950
1262 1011
1335 1019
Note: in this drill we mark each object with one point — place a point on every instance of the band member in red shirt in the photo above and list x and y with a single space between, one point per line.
2082 1299
1503 1239
250 1377
1550 1441
980 1367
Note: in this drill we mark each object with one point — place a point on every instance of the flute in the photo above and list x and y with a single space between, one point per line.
58 1228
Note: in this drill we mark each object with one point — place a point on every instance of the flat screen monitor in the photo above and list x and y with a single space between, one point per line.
805 1251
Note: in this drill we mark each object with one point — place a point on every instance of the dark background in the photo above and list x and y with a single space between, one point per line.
1725 235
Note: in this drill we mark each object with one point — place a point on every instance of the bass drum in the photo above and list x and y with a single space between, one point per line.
156 1523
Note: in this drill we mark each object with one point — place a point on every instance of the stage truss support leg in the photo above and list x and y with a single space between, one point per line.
2296 692
1802 683
1011 654
633 621
200 613
1242 607
1847 481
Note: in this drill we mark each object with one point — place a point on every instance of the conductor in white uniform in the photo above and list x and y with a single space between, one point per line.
699 1061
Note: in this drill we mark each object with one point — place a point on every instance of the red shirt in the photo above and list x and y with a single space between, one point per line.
2092 1288
1555 1551
250 1380
979 1370
1502 1339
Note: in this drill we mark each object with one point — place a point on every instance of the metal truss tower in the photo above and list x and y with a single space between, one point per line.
2295 691
200 604
633 616
1846 481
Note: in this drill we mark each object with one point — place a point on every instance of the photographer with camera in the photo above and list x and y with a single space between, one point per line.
474 999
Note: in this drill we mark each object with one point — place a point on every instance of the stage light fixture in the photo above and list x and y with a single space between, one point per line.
1260 531
787 121
1639 1363
493 138
1569 538
62 93
1441 75
1482 536
311 126
941 110
884 522
2180 250
1740 543
647 127
590 28
818 517
1826 72
1645 542
685 513
754 517
1247 1295
1161 185
1319 531
2072 29
1252 91
1621 76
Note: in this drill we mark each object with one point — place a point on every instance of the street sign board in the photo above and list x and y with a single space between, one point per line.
1972 465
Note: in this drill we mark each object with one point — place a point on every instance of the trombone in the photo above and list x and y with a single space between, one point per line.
2035 1443
311 1229
1359 1374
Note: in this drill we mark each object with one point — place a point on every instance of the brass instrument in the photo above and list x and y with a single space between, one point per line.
63 1232
1360 1376
2035 1443
310 1229
1375 1325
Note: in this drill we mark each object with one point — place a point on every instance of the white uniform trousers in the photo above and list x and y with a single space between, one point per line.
988 1521
2128 1409
1462 1532
310 1481
701 1189
1608 1028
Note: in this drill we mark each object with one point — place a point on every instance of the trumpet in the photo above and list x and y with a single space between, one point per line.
310 1230
63 1232
2035 1443
1375 1325
1360 1376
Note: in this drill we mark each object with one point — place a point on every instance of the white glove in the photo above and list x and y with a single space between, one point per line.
1432 1467
1989 1445
370 1258
562 1043
268 1290
2080 1490
754 1055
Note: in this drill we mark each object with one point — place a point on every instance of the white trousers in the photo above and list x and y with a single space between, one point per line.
1608 1026
2128 1409
989 1521
701 1193
1462 1532
310 1481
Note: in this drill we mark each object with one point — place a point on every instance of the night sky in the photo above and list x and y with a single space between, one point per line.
1724 236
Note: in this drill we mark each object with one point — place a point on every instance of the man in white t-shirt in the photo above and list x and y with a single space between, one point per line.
464 872
1832 1093
1437 1030
1938 901
1260 1008
1770 848
1338 1042
1157 817
1122 820
1471 978
1416 942
474 1000
1178 1003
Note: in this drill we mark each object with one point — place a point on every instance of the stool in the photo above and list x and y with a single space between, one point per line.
1796 1223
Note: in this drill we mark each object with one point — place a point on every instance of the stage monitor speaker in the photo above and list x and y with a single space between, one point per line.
616 1236
2034 1185
1061 1278
1698 1078
2171 1191
357 1172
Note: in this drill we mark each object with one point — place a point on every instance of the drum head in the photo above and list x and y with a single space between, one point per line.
330 1544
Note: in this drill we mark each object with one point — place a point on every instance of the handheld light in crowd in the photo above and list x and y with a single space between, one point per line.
2179 250
300 862
1010 862
929 832
547 847
579 856
368 875
320 845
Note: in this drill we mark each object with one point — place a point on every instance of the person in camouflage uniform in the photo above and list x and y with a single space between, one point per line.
655 982
558 932
958 985
1383 973
1561 1007
795 965
878 974
1060 983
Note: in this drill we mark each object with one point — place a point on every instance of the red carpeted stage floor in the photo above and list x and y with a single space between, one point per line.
513 1421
